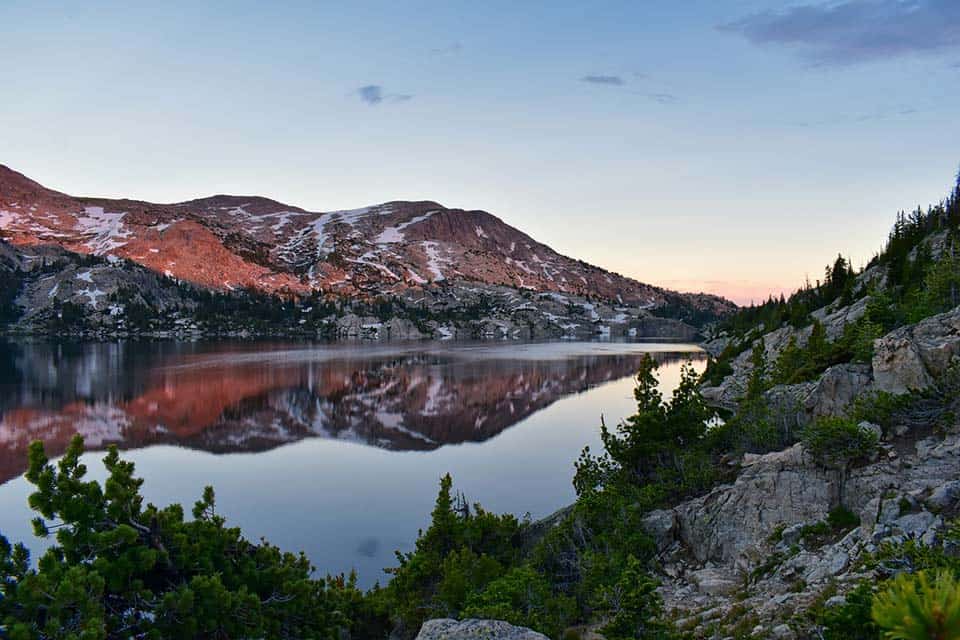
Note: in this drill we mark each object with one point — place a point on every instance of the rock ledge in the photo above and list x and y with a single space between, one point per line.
472 629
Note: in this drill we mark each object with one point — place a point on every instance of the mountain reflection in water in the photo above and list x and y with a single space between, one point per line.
222 397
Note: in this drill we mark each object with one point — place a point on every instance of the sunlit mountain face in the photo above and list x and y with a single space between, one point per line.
229 398
229 242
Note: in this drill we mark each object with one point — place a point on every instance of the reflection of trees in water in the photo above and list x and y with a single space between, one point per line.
48 374
136 395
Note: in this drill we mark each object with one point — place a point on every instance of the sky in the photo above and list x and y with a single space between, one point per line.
733 147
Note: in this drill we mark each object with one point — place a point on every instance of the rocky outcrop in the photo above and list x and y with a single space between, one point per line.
912 357
726 525
729 525
748 544
752 553
830 395
728 393
448 629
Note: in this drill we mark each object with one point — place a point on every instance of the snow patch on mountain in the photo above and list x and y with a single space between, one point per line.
395 234
106 230
92 295
433 260
8 218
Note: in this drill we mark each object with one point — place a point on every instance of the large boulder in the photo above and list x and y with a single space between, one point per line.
830 395
912 357
448 629
728 524
837 388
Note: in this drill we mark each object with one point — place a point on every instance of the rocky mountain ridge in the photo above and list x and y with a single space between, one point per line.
230 243
65 293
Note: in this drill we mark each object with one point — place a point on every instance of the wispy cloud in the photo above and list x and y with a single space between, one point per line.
663 98
854 31
619 81
451 49
612 81
886 113
373 95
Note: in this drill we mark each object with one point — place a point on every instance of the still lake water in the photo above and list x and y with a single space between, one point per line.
335 450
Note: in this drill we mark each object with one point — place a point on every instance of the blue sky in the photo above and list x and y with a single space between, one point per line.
730 146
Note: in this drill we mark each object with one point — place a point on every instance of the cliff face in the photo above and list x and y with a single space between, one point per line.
232 242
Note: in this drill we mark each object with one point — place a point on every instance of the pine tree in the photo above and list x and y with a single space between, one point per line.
788 363
818 348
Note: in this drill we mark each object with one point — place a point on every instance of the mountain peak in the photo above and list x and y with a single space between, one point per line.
228 241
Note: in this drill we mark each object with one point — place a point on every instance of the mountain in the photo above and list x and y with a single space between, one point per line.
228 243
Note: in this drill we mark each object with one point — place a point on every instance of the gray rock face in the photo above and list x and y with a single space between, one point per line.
661 525
913 356
712 544
945 497
837 388
728 524
830 395
713 582
782 632
448 629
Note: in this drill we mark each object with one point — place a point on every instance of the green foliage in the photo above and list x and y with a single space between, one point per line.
919 607
837 443
461 552
597 554
11 282
632 606
758 382
852 620
789 362
861 336
842 519
720 367
940 289
523 597
658 444
119 569
880 408
839 521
